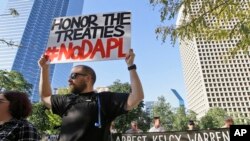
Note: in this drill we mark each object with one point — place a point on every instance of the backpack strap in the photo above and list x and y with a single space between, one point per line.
96 98
99 123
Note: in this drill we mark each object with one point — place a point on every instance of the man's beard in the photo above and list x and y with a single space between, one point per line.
77 89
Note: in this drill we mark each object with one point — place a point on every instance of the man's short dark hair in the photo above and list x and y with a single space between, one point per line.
156 117
134 122
228 119
20 105
88 70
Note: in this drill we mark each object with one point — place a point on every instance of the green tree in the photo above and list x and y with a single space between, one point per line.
211 21
164 110
213 119
54 120
241 118
13 80
62 91
180 119
44 119
117 86
206 122
39 118
191 115
122 123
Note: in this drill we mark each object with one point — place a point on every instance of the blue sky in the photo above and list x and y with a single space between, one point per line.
158 65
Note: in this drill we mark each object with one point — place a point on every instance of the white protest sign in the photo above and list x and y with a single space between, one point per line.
92 37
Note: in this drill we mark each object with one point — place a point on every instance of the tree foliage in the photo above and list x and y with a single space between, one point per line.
173 119
62 91
38 117
206 122
164 110
191 115
54 120
180 119
210 19
120 87
122 123
13 80
44 120
213 119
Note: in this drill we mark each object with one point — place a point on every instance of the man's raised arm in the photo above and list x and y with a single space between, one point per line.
137 95
44 86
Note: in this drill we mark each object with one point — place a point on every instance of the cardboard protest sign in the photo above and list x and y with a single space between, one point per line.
196 135
92 37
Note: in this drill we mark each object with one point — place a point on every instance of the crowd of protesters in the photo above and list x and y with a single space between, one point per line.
15 107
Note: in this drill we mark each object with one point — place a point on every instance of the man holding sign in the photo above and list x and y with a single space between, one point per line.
87 115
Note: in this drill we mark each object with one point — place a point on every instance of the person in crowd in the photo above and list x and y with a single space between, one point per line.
191 125
134 128
112 128
228 122
157 125
87 115
15 107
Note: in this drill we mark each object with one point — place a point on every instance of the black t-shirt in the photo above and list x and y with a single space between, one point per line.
80 113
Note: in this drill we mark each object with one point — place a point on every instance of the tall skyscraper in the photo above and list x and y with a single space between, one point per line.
210 80
30 30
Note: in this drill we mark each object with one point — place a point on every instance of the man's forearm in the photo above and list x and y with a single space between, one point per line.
137 94
44 87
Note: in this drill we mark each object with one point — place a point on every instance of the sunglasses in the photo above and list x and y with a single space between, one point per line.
74 75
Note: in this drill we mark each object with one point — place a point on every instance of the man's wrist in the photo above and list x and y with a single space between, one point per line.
132 67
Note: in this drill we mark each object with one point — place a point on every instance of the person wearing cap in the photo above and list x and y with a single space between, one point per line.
112 128
134 128
157 126
191 125
228 122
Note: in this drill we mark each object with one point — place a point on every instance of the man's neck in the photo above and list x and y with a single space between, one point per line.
158 126
88 90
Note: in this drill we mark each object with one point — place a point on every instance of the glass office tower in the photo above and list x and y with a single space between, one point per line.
211 81
30 30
